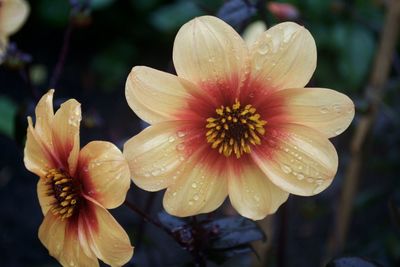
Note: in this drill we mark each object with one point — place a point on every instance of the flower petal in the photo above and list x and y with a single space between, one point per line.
65 127
37 157
155 95
60 237
207 50
44 116
45 200
13 15
325 110
104 173
155 156
253 32
199 188
252 194
298 159
105 237
285 56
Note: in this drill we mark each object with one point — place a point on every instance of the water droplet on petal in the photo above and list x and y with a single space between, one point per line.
171 139
286 169
194 185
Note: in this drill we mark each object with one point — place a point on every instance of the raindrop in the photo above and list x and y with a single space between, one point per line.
324 109
338 131
286 169
181 134
171 139
300 176
174 194
180 146
337 108
156 172
196 197
194 185
263 48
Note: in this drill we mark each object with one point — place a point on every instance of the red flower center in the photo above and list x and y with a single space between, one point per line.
66 192
235 129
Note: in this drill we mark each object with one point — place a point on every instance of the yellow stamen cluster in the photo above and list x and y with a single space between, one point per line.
234 129
65 192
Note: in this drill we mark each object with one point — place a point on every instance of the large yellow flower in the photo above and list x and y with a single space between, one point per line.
13 14
236 121
76 187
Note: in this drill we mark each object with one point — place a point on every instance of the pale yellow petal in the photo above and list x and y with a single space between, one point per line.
3 47
52 234
65 127
37 157
198 189
252 194
60 237
45 200
325 110
208 51
298 159
285 56
155 155
155 95
104 173
253 32
75 251
106 238
44 116
13 14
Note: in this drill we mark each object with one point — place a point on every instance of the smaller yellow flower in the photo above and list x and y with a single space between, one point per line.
76 187
13 14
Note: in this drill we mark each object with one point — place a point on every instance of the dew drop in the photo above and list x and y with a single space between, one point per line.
156 172
337 108
324 109
181 134
196 197
190 203
263 48
286 169
300 176
180 146
194 185
171 139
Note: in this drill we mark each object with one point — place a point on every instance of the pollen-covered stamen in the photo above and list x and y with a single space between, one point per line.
65 191
234 129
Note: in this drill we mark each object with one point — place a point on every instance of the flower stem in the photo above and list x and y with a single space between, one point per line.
62 57
147 218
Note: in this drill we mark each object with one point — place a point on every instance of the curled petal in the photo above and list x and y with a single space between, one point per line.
37 157
155 95
297 159
104 173
325 110
105 237
155 155
44 116
199 188
13 14
285 56
207 50
65 127
252 194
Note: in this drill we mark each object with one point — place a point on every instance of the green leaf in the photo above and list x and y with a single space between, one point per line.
170 17
357 47
99 4
55 13
8 111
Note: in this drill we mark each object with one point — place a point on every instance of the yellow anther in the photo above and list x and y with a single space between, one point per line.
234 129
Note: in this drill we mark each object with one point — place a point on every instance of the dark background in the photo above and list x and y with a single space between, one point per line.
110 37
